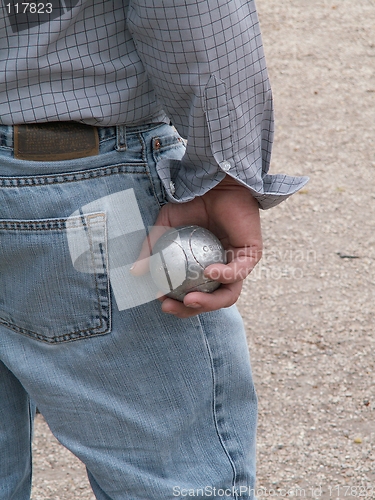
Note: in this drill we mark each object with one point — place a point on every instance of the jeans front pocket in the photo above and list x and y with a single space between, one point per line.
43 294
168 145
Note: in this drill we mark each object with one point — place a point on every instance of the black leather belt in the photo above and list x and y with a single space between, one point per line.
55 141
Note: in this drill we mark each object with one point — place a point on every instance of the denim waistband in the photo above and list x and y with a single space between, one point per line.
118 132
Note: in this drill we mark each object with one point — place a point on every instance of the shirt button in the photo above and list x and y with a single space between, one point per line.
172 187
225 165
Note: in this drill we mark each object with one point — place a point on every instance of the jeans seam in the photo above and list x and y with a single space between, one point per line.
33 225
215 387
31 424
40 180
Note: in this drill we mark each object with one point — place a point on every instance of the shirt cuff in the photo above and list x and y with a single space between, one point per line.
183 185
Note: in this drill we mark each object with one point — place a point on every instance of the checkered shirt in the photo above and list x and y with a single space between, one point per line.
197 63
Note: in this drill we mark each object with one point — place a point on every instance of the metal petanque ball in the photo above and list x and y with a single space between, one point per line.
179 258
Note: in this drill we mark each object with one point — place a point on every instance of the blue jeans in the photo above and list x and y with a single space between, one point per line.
156 407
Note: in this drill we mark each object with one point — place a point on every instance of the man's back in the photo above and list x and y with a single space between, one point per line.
77 63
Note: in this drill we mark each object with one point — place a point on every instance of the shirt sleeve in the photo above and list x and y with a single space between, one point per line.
206 63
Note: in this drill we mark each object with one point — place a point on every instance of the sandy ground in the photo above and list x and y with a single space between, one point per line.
308 307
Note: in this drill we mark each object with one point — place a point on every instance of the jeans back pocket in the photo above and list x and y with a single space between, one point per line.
44 295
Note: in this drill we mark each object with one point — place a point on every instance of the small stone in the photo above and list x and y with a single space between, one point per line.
358 440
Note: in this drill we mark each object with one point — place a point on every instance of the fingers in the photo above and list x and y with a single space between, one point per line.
141 265
170 215
241 263
233 215
197 302
230 275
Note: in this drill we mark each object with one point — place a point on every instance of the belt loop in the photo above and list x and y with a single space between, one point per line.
120 138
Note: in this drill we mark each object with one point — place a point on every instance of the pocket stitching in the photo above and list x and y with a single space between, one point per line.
76 176
102 305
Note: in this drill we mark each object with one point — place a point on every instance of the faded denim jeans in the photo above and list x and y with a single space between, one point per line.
156 407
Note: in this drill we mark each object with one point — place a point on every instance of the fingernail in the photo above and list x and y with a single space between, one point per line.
133 269
194 305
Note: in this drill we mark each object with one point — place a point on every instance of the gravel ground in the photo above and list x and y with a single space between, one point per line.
308 306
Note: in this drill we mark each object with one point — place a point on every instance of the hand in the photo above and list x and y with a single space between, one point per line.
232 214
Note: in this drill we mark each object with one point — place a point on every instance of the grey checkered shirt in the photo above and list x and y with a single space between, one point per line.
197 63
